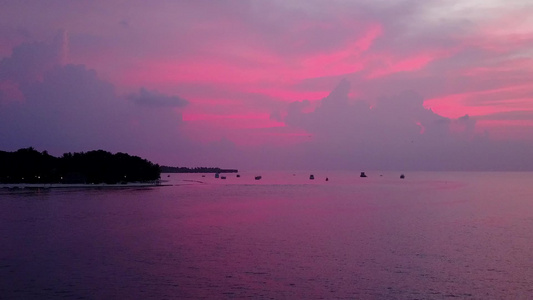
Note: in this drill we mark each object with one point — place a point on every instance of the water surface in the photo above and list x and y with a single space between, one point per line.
429 236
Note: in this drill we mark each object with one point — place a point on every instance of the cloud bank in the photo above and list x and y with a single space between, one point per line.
69 108
273 84
156 99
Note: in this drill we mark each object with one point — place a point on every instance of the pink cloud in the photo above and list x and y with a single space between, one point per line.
389 64
505 33
479 103
494 68
287 94
230 121
266 67
344 60
243 67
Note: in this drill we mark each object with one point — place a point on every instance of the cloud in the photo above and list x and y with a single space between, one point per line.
29 61
509 116
69 108
339 116
395 133
66 107
248 59
155 99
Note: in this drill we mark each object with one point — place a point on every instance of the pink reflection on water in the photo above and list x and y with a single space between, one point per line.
430 235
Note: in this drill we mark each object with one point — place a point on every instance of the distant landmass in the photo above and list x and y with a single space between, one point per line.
31 166
167 169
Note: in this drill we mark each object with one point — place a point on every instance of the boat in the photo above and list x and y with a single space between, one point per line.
217 175
222 177
402 176
257 177
327 179
311 177
362 174
238 175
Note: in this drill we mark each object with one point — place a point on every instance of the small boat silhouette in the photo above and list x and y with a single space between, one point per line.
311 177
257 177
362 174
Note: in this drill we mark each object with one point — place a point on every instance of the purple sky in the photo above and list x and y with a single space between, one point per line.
399 85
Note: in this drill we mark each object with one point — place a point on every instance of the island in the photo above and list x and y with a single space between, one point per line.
29 166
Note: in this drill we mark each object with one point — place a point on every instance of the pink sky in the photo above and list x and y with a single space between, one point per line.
272 84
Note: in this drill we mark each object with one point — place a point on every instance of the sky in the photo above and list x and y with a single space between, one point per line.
300 84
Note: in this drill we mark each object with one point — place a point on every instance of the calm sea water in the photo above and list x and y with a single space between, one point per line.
429 236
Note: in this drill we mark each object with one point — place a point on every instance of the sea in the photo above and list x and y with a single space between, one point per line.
431 235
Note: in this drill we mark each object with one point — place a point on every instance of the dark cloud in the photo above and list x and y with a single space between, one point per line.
399 116
155 99
396 133
29 61
509 116
69 108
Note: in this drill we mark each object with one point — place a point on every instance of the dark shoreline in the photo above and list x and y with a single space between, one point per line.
21 186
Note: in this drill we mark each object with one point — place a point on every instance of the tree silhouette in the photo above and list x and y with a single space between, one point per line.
31 166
